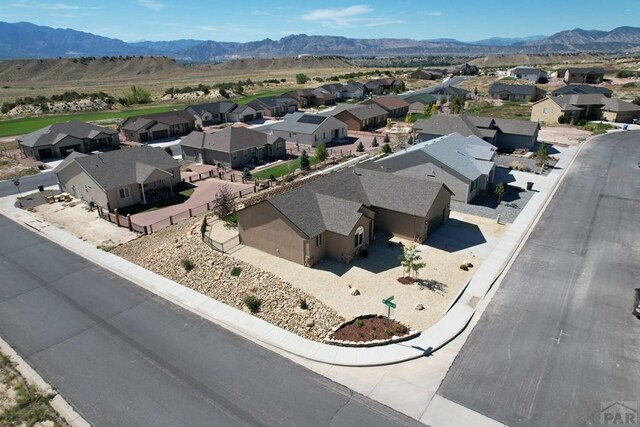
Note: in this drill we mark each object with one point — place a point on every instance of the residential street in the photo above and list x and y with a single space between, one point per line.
124 357
27 183
558 339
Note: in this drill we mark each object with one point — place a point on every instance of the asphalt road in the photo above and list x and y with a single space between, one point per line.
558 338
27 183
453 81
124 357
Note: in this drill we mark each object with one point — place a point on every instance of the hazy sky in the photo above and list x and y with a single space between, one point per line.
466 20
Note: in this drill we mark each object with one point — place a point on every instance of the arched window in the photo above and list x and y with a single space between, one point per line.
359 237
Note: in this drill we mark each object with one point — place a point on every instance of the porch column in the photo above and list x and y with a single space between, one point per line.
171 185
144 199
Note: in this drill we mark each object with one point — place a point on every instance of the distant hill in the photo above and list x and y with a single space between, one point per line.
73 69
25 40
307 63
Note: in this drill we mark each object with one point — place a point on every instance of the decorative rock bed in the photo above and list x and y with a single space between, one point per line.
370 324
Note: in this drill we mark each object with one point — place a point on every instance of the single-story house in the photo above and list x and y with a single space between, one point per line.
465 164
418 101
384 86
424 75
581 89
531 74
152 127
211 113
336 215
359 117
308 129
589 107
393 105
341 91
307 98
584 75
618 111
244 113
60 139
520 93
120 178
448 92
233 146
505 134
274 106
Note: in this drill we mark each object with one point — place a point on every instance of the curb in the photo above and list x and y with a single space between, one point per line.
58 403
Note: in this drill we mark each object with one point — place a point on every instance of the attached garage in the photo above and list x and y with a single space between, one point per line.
160 134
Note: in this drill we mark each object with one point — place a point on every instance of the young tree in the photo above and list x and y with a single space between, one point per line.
499 191
224 202
360 147
456 105
301 78
410 140
321 152
386 138
443 100
304 160
542 154
386 148
426 111
374 143
389 123
434 110
136 95
409 118
411 260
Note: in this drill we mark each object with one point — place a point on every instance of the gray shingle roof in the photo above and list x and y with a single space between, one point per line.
333 202
526 90
213 107
450 91
359 111
618 105
228 140
52 134
291 123
517 127
424 98
135 123
446 124
118 168
466 157
580 89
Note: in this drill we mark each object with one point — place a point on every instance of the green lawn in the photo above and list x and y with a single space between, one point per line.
509 110
244 100
181 194
283 168
25 125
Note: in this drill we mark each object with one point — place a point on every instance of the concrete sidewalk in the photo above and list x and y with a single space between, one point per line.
453 322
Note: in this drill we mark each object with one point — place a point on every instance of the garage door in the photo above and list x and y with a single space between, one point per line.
144 137
247 118
161 134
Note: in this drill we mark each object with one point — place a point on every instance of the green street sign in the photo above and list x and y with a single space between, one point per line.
388 302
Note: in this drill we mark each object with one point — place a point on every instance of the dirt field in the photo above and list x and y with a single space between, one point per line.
13 169
565 135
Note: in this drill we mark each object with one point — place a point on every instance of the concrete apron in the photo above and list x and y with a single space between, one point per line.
446 329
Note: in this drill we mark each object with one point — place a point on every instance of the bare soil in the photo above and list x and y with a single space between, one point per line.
370 329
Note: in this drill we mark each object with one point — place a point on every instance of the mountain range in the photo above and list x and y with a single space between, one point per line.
26 40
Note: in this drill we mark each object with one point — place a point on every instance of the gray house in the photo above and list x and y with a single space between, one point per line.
211 113
232 146
580 89
448 92
119 178
505 134
308 129
60 139
274 106
521 93
465 164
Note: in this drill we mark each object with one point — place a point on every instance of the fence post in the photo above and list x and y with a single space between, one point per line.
190 179
129 221
115 211
171 219
150 229
190 214
145 230
208 208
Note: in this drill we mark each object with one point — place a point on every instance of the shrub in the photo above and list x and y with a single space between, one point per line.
388 332
321 152
187 264
386 148
562 120
469 265
374 143
289 178
231 219
373 335
386 138
235 271
303 303
359 323
304 160
581 122
301 78
360 147
252 302
516 165
402 329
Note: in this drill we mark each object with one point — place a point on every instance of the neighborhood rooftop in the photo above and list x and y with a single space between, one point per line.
51 134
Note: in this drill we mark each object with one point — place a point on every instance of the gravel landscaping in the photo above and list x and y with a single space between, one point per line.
179 254
528 163
486 205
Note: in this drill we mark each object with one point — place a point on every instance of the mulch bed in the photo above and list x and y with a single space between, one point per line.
371 328
406 280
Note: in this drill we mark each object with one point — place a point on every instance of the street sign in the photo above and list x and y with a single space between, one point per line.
389 305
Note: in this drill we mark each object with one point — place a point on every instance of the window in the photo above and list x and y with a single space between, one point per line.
318 240
124 193
359 237
544 110
474 185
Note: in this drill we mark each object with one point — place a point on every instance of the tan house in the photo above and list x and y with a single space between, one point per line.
307 129
584 75
359 117
119 178
152 127
588 107
393 105
336 215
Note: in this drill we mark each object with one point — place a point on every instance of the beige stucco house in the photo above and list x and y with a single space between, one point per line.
119 178
336 216
588 107
308 129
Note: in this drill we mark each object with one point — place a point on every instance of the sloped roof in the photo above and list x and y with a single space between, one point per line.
221 107
359 111
581 89
526 90
292 123
574 102
389 102
517 127
450 91
618 105
146 173
446 124
526 70
465 157
333 202
228 140
52 134
73 155
135 123
424 98
593 70
119 168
